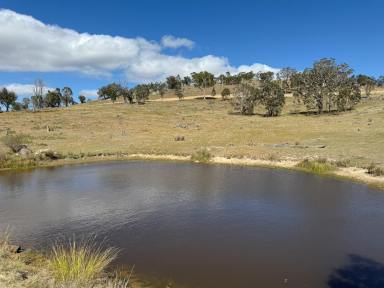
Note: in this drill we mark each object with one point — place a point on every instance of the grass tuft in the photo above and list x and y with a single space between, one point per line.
318 166
202 155
80 262
4 240
374 170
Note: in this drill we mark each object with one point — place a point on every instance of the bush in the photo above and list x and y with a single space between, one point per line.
202 155
16 141
318 166
80 263
225 93
374 170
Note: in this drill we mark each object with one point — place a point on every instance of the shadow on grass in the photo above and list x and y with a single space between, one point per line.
360 272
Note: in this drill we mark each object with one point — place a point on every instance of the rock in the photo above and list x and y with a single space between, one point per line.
179 138
47 154
17 147
24 152
23 275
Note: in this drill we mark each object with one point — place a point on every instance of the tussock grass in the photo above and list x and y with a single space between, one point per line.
202 156
318 166
13 162
4 240
80 262
374 170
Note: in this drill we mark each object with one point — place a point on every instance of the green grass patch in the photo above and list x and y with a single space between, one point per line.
318 166
13 162
202 155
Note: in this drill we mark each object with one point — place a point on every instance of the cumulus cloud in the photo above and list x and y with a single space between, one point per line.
28 44
169 41
24 90
89 93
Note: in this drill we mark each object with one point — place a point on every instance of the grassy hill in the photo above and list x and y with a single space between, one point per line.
105 128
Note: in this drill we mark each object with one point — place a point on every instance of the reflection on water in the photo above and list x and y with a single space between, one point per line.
204 225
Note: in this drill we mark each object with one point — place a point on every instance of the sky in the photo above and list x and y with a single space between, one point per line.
87 44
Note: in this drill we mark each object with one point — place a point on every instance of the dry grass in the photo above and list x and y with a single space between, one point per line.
102 128
80 263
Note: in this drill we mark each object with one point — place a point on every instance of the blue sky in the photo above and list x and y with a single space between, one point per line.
212 35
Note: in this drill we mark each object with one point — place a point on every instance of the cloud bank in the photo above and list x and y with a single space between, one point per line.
28 44
25 90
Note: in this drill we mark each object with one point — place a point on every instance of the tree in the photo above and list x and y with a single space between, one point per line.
226 92
187 81
67 96
203 80
17 106
272 97
172 82
179 92
141 93
26 103
213 92
161 89
367 82
82 99
53 98
285 76
380 81
38 95
111 91
265 76
323 85
7 98
127 95
245 98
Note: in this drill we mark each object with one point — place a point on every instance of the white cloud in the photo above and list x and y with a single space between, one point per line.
30 45
89 93
24 90
169 41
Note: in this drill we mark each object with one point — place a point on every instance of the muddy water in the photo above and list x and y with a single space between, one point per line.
207 225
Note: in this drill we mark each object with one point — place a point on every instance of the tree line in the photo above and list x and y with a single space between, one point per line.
326 86
39 99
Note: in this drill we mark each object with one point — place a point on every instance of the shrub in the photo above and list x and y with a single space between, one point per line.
225 93
16 141
318 166
343 163
80 263
372 169
202 155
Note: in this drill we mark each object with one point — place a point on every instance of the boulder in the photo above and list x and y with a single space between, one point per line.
24 152
47 154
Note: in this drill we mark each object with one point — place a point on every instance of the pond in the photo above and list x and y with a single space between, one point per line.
207 225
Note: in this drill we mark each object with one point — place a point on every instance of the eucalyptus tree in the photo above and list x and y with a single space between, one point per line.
26 103
53 98
82 99
7 98
285 76
203 80
111 91
141 93
325 84
245 98
272 97
367 82
67 96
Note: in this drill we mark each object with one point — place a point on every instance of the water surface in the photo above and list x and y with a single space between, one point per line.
207 225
